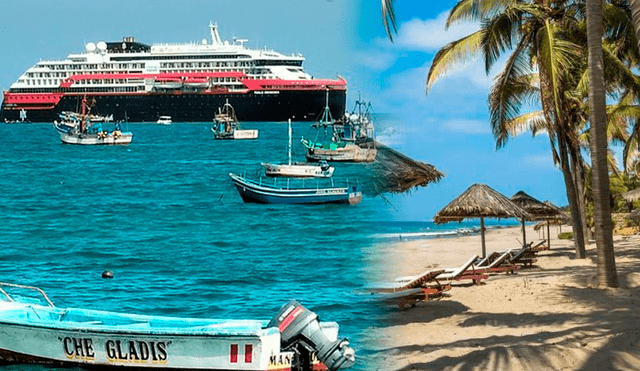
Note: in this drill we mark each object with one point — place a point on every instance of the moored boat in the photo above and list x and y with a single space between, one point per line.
226 125
350 139
87 129
43 333
298 170
164 120
253 191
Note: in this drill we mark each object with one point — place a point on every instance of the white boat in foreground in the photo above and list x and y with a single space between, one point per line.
43 333
298 170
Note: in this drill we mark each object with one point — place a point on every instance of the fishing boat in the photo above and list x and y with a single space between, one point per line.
350 139
87 129
226 125
253 191
34 330
298 170
164 120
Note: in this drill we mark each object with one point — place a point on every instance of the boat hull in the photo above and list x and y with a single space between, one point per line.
237 134
349 153
95 139
145 351
253 192
302 105
297 171
32 333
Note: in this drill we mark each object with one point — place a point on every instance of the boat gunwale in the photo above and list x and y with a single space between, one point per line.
252 184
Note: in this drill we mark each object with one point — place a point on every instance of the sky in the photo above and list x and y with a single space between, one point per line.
448 127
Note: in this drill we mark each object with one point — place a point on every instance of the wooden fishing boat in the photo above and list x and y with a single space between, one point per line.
258 192
227 126
298 170
87 129
44 333
351 138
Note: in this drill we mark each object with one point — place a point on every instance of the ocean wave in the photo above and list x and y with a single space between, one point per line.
431 234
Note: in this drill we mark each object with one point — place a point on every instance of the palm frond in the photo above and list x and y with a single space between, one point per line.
451 54
510 89
556 56
533 122
389 18
476 10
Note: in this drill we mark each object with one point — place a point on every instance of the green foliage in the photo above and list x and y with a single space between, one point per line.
565 235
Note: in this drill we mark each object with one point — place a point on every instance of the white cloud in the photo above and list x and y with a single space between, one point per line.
430 35
467 126
375 59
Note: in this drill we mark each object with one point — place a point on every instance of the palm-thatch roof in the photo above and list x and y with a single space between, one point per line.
478 201
394 172
538 210
631 195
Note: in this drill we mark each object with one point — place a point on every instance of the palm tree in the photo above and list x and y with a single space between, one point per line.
607 276
535 33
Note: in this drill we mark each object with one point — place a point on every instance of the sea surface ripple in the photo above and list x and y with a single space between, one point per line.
162 214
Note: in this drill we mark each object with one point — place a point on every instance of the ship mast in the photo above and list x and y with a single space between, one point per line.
289 148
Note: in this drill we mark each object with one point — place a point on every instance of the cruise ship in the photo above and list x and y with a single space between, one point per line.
139 83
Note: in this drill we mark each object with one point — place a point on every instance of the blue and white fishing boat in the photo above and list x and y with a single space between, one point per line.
258 192
36 331
87 129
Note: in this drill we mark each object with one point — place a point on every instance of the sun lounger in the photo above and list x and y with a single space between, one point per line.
410 290
500 263
466 271
412 296
525 256
540 245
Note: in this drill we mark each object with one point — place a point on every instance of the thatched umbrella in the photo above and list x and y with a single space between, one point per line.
538 211
394 172
631 195
479 201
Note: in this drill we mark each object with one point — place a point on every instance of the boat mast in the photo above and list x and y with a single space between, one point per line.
326 116
84 116
289 147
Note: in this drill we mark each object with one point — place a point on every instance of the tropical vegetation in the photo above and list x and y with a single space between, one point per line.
545 43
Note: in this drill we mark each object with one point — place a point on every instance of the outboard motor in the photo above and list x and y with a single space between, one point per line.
300 330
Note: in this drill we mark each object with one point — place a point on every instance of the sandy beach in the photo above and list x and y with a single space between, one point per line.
548 317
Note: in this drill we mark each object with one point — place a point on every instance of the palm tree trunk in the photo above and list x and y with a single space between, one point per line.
581 194
558 136
635 15
578 235
607 276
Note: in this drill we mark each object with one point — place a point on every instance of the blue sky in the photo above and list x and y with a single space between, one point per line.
448 127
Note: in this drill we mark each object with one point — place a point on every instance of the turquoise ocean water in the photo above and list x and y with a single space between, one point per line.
162 214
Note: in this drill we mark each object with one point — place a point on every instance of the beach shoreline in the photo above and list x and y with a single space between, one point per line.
550 316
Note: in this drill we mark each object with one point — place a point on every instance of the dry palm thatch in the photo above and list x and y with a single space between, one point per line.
394 172
548 222
538 210
631 195
479 201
